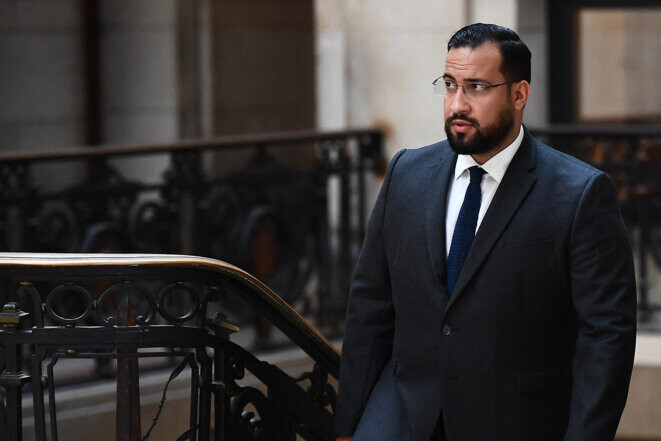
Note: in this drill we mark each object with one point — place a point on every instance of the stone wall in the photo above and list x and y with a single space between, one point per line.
42 80
617 80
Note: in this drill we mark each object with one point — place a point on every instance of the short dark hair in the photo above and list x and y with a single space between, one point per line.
516 55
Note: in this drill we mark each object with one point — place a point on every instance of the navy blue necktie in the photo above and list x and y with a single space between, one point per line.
464 230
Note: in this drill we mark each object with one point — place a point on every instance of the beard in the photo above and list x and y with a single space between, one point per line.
484 139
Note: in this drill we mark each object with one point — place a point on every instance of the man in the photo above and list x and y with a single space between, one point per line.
494 296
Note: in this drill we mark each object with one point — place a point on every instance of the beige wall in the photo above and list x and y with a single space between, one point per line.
616 82
42 86
376 61
138 79
42 81
532 28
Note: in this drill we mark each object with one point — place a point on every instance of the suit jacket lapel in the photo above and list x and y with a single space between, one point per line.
436 191
511 192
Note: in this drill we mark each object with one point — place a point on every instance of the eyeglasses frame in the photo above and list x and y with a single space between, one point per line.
488 86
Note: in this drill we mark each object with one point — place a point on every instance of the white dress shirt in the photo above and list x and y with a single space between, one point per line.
495 169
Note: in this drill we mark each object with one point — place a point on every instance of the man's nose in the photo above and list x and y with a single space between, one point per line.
459 102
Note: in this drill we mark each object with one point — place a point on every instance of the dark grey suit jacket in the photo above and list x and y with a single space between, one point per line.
536 342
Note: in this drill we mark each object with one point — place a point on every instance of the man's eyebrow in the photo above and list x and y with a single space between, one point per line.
468 80
477 80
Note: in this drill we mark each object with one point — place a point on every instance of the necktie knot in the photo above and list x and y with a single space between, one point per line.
476 174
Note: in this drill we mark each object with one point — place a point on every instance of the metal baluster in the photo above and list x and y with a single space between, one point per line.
128 381
223 329
13 378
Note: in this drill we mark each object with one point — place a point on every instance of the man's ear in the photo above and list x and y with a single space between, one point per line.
520 94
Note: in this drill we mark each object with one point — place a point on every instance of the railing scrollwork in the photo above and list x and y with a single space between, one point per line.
130 308
262 202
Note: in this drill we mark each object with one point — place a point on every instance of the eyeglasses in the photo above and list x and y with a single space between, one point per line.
445 87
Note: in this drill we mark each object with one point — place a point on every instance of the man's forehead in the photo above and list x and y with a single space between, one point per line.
482 60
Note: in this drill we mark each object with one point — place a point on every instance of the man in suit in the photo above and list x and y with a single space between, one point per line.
494 296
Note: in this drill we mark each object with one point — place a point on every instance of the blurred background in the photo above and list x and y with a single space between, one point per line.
257 132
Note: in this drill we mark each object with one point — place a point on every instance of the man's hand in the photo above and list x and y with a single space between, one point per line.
344 438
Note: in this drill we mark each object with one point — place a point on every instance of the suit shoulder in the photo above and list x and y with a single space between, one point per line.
423 155
563 165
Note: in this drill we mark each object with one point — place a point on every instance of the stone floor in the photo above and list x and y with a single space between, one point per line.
648 321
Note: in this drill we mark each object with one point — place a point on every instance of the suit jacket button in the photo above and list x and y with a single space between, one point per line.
446 330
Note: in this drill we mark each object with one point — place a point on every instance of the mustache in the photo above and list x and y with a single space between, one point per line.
462 117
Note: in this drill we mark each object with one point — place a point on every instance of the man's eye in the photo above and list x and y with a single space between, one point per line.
477 87
449 85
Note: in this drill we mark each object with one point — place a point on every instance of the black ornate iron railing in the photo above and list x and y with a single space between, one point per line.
289 226
632 156
127 308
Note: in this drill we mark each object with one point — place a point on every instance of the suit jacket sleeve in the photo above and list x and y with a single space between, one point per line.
604 297
367 345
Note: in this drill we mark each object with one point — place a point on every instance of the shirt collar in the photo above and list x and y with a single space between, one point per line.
496 166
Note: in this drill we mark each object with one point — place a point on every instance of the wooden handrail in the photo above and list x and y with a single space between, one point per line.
290 322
